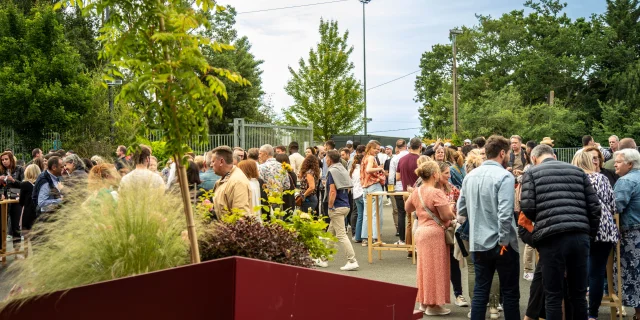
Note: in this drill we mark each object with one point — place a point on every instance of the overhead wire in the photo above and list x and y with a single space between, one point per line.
293 7
395 130
396 79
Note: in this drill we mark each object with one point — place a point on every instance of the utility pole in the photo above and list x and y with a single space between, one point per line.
453 33
364 55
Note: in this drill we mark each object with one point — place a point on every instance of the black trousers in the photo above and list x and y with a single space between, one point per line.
536 305
402 217
565 253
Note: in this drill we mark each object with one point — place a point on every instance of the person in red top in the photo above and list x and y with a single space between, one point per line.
407 175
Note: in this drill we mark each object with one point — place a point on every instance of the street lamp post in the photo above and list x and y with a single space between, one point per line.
453 33
364 55
112 84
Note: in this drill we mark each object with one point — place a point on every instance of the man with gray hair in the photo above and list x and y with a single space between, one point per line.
271 170
627 163
626 143
562 203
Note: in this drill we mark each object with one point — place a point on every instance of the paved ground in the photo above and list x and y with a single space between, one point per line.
396 268
393 268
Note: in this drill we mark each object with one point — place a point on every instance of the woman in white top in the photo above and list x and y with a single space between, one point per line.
250 170
358 197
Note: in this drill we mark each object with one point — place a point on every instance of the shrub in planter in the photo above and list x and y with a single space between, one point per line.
248 237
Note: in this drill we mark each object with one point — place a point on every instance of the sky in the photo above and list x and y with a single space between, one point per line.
398 32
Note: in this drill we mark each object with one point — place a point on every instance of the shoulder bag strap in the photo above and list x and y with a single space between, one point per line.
433 216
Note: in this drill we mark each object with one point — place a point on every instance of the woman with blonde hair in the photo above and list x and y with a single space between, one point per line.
440 153
434 214
372 179
28 216
474 160
608 233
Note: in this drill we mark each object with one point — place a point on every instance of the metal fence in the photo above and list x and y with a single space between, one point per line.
565 154
9 140
248 135
253 135
198 144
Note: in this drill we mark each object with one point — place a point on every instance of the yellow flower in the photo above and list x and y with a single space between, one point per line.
286 167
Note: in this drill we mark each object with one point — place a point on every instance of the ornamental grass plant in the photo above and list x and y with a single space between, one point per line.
103 237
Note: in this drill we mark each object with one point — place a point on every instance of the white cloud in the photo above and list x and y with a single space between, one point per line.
398 32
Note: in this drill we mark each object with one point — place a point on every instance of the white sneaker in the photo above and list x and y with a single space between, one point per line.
528 276
624 312
399 243
321 263
350 266
388 203
495 314
437 311
500 308
469 314
461 302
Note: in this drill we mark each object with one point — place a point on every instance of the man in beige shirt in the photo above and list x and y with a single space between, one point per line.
295 157
232 191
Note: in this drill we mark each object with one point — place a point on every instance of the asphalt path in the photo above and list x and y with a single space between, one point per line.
394 267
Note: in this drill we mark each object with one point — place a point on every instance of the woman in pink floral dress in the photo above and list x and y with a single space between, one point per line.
433 261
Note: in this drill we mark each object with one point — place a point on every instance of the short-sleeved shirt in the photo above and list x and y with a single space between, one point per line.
407 169
342 196
432 198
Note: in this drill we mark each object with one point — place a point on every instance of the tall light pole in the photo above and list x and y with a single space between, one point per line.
112 84
453 33
364 55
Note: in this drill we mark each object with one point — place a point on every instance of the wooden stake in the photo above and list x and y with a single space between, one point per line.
188 210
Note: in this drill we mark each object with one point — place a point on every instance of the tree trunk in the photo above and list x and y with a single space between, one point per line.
181 171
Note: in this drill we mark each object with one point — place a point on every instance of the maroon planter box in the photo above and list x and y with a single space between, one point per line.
226 289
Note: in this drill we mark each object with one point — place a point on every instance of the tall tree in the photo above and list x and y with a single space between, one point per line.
43 83
533 53
243 101
324 89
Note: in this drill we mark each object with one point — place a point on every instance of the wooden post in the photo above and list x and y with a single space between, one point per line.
369 227
188 209
551 97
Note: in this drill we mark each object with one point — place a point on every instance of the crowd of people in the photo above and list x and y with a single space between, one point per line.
467 205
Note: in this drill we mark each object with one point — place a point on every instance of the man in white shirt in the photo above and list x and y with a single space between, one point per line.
295 157
141 176
401 149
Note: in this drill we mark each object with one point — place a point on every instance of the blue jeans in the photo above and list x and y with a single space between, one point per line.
360 212
598 258
311 202
375 208
486 263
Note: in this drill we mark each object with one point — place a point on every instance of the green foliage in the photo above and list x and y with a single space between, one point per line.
532 53
242 101
103 239
168 80
310 231
44 85
504 113
324 88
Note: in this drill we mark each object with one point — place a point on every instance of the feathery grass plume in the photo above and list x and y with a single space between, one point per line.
103 237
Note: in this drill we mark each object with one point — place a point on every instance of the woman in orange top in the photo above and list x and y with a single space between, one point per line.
372 179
